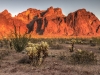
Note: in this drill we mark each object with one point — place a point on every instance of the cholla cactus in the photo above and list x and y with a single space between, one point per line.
79 50
44 47
73 40
79 41
37 52
72 45
30 44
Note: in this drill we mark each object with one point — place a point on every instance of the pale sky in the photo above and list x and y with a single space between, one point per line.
67 6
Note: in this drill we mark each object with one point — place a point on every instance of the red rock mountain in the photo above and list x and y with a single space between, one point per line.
51 22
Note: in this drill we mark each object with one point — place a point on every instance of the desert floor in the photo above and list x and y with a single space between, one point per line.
10 63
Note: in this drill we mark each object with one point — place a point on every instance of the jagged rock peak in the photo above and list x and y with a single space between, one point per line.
5 11
82 10
51 11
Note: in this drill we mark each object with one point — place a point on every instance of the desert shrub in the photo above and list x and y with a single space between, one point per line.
79 41
34 40
83 41
4 42
98 41
61 40
19 41
93 44
37 52
1 43
93 41
83 57
50 42
62 56
57 46
4 53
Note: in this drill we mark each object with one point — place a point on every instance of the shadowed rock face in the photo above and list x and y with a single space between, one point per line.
7 22
83 22
78 23
51 22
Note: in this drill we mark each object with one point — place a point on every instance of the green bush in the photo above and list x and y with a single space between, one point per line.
83 57
19 41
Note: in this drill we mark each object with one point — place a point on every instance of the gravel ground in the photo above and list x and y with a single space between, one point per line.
9 64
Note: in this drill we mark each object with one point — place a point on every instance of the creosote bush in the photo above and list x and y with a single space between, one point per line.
83 57
37 52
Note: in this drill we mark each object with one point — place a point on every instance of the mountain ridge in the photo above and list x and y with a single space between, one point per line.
51 22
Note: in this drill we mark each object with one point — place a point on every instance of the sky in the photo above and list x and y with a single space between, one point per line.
67 6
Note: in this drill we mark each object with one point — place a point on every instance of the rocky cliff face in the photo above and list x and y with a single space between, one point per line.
7 24
52 22
28 15
83 23
78 23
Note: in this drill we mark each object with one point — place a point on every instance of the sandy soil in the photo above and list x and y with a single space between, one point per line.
10 64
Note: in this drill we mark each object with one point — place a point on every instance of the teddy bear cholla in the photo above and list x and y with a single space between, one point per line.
37 52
